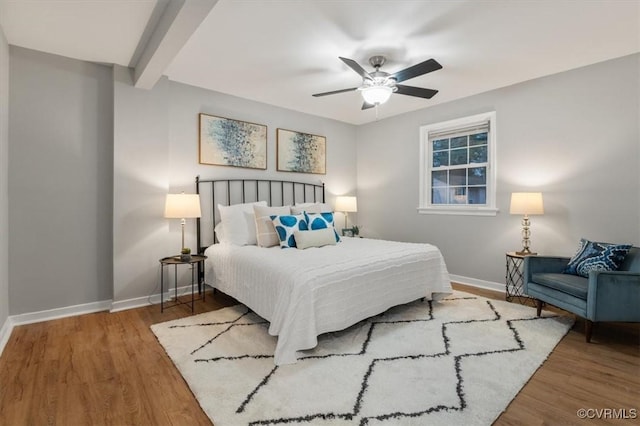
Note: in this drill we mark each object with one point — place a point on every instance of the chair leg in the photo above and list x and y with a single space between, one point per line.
588 327
538 307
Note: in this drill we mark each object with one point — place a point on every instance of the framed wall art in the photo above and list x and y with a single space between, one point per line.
301 152
227 142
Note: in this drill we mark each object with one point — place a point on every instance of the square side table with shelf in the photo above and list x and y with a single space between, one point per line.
193 262
514 277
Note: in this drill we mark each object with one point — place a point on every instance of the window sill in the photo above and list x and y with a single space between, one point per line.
461 211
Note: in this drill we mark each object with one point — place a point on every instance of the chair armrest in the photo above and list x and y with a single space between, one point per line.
613 296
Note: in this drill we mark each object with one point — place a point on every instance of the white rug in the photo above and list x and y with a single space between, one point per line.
456 362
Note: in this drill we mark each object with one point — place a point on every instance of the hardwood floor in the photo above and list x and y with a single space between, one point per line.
604 374
109 369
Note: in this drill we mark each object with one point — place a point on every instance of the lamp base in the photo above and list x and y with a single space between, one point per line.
526 253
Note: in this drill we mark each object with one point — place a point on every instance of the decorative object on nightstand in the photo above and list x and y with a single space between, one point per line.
526 203
182 206
185 254
347 205
175 261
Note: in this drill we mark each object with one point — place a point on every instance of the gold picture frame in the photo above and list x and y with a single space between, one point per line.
301 152
228 142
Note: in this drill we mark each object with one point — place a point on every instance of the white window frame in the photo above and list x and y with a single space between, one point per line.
426 162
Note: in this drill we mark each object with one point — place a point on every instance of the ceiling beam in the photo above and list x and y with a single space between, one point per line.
178 22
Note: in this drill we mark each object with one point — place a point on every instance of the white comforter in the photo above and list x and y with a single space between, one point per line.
304 293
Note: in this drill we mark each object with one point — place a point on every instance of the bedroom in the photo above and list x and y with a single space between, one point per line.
116 151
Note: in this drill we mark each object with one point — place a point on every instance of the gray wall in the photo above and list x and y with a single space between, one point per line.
156 152
4 175
573 136
81 134
60 181
140 181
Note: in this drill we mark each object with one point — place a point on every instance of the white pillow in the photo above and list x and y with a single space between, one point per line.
317 238
321 221
265 231
300 208
219 231
238 223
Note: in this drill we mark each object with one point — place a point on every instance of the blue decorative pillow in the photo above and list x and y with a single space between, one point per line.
321 221
592 256
286 225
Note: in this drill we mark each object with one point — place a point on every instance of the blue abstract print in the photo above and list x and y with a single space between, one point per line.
232 143
301 152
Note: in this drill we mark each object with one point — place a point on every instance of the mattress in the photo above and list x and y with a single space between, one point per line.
304 293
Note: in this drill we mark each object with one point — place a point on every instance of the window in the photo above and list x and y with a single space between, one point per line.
457 166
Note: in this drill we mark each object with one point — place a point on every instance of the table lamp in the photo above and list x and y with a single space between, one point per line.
526 203
346 205
182 206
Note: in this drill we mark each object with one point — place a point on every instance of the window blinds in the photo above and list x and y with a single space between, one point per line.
469 129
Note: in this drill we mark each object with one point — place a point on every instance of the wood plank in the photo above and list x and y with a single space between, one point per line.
108 368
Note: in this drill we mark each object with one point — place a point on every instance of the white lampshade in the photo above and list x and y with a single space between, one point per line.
182 206
528 203
376 94
346 204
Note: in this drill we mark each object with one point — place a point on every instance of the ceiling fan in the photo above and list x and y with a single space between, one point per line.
378 86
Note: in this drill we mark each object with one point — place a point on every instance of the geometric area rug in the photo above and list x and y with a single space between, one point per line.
459 361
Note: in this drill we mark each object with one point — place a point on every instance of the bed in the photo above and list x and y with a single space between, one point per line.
307 292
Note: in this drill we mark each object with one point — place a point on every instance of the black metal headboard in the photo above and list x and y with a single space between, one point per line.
234 191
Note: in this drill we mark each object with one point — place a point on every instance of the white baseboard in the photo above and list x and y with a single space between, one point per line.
154 299
5 333
137 302
50 314
69 311
473 282
87 308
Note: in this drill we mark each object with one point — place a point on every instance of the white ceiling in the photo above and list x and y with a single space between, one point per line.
280 52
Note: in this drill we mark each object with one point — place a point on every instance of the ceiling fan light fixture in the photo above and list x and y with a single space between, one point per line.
376 95
377 86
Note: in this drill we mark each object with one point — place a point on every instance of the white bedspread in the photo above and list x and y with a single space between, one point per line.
304 293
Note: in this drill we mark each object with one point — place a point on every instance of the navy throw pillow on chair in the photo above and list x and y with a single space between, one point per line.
593 256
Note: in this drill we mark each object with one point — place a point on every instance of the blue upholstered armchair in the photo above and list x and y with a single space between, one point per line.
604 296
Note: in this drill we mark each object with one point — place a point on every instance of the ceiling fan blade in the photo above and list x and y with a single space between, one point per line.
416 70
416 91
356 67
335 91
366 105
